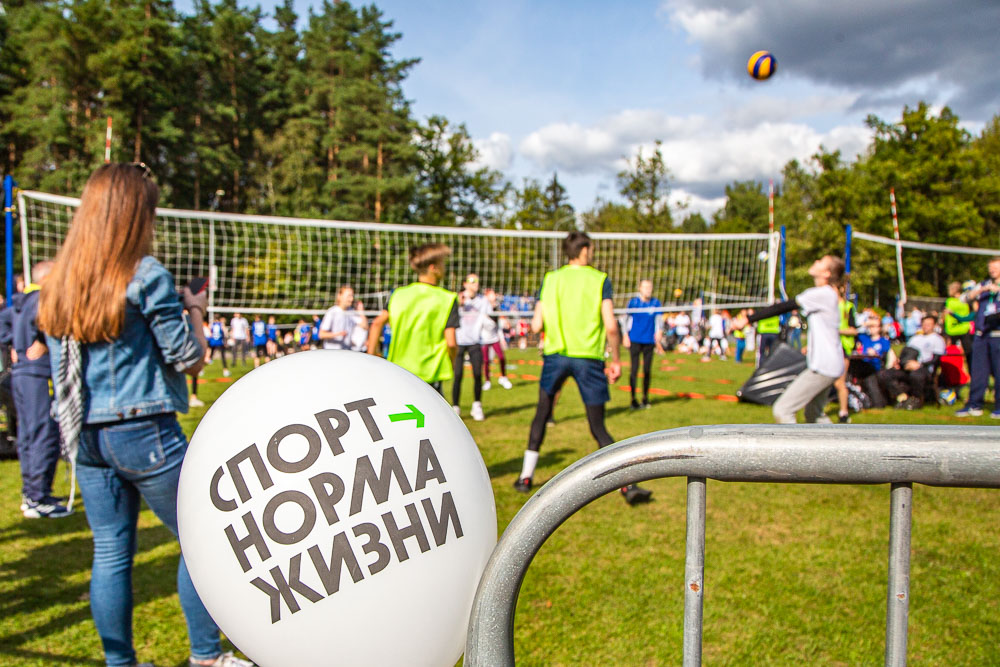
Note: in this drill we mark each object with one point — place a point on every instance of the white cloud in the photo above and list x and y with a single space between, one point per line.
703 154
683 203
495 152
943 51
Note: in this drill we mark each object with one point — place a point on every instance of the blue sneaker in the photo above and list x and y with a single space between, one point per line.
969 412
45 509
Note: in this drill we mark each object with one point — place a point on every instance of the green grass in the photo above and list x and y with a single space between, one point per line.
793 574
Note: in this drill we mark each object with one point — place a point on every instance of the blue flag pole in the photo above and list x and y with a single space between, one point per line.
8 214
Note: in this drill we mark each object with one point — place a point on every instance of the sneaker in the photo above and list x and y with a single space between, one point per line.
195 402
635 404
24 502
843 419
635 494
646 405
523 485
969 412
225 372
504 382
45 509
995 414
477 411
457 409
224 660
550 422
487 386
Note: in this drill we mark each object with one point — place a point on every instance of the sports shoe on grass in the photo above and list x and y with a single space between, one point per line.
46 508
635 494
843 419
995 414
635 404
646 405
195 402
523 485
477 411
969 412
224 660
504 382
457 409
487 385
225 372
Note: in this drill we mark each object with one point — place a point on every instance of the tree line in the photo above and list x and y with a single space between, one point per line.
236 112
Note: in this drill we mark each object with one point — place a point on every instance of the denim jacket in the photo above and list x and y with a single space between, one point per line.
140 373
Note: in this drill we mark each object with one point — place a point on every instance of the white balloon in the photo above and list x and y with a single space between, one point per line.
333 510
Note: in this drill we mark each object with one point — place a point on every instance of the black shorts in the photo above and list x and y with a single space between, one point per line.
260 350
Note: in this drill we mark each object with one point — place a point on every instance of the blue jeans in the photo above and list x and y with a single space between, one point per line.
741 345
985 362
116 464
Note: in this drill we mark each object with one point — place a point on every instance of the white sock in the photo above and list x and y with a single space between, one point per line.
528 467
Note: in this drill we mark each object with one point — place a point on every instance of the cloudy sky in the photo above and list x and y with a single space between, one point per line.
578 87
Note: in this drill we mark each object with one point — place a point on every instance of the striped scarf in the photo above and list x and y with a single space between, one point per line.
69 397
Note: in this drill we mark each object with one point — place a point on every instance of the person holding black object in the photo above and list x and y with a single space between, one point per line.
824 355
908 381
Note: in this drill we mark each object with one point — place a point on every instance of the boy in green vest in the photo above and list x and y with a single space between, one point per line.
958 317
576 312
423 317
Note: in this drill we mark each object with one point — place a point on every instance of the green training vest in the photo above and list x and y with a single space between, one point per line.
418 314
769 325
847 342
952 326
571 311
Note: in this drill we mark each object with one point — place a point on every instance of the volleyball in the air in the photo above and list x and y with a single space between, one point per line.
762 65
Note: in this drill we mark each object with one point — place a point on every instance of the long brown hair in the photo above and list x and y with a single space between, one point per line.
84 296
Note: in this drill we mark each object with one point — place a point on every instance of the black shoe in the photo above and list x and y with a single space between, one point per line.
635 494
843 419
635 404
523 485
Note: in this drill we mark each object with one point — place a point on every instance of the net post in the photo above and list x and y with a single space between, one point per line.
22 221
8 217
781 282
212 269
694 571
898 593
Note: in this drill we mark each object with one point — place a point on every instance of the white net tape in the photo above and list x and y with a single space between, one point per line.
294 266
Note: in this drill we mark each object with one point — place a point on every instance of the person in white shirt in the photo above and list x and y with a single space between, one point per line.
472 313
907 381
682 325
492 341
716 343
337 328
239 329
824 355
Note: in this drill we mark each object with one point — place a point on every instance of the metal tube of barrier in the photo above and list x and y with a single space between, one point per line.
694 571
898 595
957 456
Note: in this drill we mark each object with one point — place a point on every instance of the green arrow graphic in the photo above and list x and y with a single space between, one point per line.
412 414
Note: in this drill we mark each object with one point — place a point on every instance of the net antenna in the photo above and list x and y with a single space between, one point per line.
293 266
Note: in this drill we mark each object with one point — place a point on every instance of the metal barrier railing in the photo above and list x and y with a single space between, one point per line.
956 456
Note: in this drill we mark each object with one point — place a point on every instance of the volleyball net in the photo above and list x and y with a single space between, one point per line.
294 266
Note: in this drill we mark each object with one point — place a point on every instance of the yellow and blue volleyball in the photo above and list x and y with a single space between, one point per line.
761 65
948 396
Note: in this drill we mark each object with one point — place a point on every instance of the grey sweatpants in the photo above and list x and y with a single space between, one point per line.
808 390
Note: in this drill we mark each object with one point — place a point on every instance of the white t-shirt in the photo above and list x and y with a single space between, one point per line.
239 328
716 328
336 320
682 323
825 355
490 333
471 315
927 345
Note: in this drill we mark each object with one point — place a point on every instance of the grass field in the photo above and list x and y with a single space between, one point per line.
793 573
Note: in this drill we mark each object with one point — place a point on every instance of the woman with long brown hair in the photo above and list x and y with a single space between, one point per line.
120 346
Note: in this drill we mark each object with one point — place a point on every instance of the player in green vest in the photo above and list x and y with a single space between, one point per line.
958 318
768 330
577 315
848 330
423 317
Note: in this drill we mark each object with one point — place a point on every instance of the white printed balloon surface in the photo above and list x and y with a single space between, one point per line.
334 510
